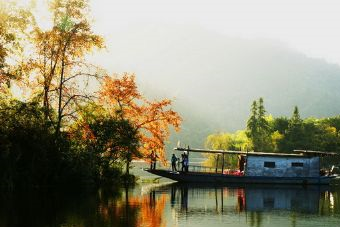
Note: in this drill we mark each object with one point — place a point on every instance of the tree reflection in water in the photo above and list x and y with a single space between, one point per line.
146 210
83 208
254 203
152 210
172 205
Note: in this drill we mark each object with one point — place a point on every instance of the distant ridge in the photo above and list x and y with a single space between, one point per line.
214 78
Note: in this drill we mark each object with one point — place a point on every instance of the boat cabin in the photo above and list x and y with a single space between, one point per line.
282 165
263 164
300 167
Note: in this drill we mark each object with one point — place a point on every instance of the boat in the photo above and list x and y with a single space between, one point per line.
301 167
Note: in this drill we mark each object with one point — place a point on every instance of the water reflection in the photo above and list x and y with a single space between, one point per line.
132 209
173 205
253 205
254 198
82 208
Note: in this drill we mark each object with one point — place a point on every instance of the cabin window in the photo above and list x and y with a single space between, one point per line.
297 164
269 164
268 203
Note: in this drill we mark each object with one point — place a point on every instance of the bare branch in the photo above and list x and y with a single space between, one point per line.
80 74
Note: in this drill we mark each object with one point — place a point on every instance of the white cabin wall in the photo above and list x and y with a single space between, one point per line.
314 167
283 166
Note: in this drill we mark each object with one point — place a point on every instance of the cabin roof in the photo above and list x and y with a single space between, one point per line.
317 153
299 153
209 151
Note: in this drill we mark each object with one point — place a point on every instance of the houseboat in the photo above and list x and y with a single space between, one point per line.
300 167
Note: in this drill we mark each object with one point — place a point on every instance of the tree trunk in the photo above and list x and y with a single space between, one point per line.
46 104
127 167
60 99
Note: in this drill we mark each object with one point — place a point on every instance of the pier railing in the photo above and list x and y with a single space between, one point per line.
207 169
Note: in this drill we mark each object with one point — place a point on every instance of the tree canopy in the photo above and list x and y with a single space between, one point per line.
151 119
280 134
258 127
61 131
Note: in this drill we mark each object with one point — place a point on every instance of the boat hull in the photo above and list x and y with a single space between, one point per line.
194 177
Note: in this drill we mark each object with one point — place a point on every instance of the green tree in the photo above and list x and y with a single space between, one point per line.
221 141
225 141
241 141
27 151
277 138
294 136
112 142
333 122
116 141
252 123
280 124
264 140
258 129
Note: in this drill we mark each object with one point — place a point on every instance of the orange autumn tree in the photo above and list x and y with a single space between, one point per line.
151 119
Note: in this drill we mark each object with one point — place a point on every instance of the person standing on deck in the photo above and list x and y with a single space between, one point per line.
153 160
179 162
186 163
182 161
173 162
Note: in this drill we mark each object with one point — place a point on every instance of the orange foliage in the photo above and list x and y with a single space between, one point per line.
87 133
151 119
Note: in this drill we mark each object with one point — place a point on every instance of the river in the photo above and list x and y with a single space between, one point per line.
174 204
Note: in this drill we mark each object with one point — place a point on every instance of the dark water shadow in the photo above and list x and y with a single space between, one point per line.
63 207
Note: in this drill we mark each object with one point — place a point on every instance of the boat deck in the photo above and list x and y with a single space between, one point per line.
208 177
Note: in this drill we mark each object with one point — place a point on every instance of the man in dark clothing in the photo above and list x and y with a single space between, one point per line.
182 161
173 162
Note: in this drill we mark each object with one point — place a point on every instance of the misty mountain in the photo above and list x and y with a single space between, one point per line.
214 78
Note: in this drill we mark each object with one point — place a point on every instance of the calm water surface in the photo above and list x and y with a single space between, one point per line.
174 205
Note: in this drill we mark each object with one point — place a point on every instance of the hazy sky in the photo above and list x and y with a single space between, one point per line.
310 26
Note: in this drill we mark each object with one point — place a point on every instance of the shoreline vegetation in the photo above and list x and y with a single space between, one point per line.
63 120
264 133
